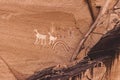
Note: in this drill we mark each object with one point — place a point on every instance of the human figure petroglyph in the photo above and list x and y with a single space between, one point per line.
52 38
52 28
40 38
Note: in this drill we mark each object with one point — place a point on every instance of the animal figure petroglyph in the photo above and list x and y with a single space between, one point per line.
40 38
52 38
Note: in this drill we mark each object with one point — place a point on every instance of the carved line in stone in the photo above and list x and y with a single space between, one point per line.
65 46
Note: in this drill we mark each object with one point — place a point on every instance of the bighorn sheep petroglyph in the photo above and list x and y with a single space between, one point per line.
52 38
40 37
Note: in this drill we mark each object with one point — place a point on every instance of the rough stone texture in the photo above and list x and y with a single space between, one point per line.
63 18
69 20
116 70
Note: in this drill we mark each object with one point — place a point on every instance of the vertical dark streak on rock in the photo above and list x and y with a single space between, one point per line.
9 68
107 46
90 9
91 71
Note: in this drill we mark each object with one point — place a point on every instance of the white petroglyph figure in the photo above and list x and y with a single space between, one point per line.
40 38
52 38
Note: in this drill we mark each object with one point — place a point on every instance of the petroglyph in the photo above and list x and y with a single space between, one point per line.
52 38
60 42
40 38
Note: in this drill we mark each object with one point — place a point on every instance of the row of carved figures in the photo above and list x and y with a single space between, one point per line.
53 40
42 38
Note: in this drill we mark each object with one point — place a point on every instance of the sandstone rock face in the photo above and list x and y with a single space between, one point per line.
19 18
68 20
